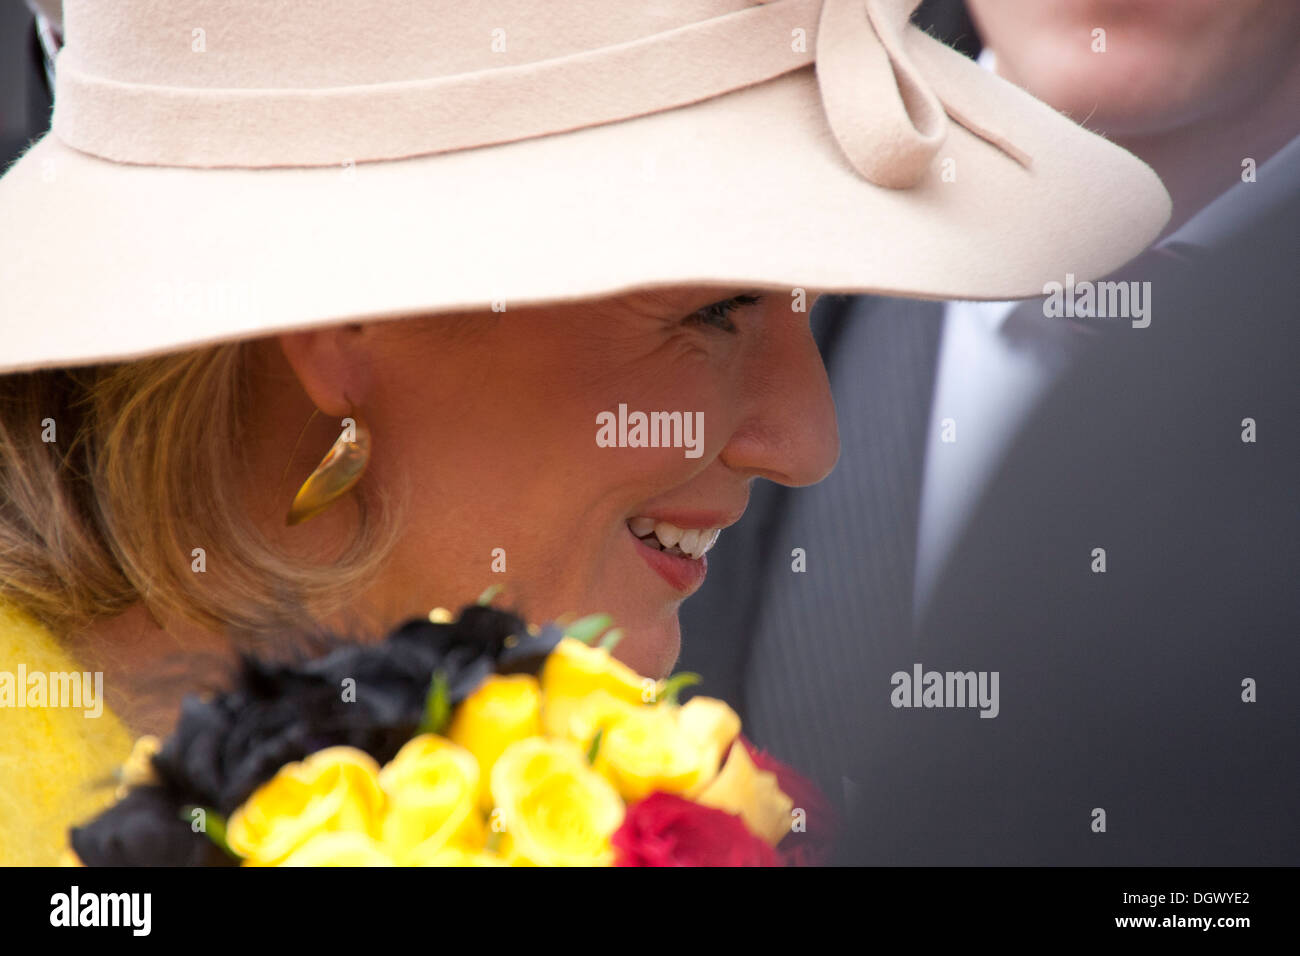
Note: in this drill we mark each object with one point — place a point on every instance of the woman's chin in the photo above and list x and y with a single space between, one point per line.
651 648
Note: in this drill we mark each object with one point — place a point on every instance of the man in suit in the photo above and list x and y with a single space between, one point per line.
1059 502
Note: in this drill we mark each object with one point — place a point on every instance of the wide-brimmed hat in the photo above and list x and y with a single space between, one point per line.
219 170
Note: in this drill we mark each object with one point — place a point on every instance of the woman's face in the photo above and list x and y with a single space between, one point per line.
506 429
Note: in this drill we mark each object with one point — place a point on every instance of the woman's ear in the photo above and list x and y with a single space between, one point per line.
333 366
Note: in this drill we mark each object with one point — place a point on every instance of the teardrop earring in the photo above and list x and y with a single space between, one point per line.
337 473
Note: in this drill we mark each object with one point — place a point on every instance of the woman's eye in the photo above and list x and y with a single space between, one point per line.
718 315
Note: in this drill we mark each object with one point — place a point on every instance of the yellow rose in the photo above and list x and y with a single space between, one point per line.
573 673
668 748
752 794
454 856
556 810
432 788
333 790
599 710
502 710
341 848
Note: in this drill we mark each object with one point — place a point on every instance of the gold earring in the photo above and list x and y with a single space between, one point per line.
337 473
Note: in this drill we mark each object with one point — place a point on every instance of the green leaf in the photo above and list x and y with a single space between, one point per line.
489 594
437 706
587 629
677 683
611 639
595 745
214 827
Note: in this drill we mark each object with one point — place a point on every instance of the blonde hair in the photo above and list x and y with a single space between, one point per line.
146 465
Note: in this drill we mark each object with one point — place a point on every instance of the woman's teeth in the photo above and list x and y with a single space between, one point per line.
687 542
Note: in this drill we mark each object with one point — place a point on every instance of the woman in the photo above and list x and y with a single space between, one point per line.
561 224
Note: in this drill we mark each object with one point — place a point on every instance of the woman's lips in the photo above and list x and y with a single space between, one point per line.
682 574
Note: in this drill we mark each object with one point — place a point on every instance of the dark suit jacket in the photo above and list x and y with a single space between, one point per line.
1123 690
1120 691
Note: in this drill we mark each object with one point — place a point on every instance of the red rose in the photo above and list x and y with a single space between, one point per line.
815 846
667 830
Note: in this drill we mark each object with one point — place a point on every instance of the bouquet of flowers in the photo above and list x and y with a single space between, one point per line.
467 741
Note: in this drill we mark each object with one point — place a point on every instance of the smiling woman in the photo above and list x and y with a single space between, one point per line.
450 303
516 398
181 534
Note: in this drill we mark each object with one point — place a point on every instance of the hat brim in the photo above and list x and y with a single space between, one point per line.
106 261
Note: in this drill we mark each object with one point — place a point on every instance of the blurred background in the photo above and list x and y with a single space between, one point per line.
24 96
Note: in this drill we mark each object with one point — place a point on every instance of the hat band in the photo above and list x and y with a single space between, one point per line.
889 132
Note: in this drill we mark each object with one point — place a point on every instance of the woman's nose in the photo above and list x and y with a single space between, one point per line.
788 433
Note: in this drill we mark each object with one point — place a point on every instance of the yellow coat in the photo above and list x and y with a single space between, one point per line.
56 763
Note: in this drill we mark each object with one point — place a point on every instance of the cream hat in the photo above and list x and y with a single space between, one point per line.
218 170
